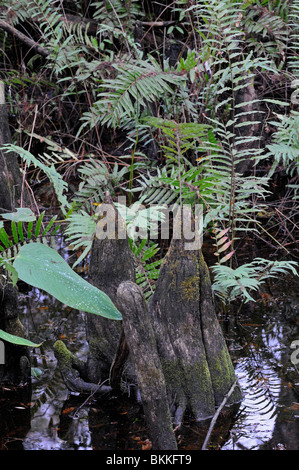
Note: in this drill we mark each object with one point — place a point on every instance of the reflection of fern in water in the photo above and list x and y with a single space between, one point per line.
261 387
258 376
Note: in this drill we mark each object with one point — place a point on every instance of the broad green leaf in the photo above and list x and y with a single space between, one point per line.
42 267
17 340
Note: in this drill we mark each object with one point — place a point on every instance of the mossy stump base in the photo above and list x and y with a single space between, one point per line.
73 372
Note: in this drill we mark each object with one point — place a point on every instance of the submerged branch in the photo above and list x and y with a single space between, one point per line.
215 417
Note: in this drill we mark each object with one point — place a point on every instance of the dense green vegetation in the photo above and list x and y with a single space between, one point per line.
184 102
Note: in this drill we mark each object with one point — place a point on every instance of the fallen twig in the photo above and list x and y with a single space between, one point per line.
215 417
29 42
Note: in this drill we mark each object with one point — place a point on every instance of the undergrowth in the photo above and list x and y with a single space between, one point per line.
189 131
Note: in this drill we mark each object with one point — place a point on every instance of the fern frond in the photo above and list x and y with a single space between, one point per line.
24 227
285 142
267 29
294 36
222 243
80 233
113 12
213 181
95 180
128 94
147 272
59 185
230 284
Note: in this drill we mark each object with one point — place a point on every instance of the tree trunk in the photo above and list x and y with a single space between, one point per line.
111 263
144 355
176 348
250 114
10 177
16 367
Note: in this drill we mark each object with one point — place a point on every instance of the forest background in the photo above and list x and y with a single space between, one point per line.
163 103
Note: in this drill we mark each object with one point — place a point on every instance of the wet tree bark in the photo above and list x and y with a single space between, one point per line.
16 368
111 263
73 372
193 353
144 355
174 344
10 177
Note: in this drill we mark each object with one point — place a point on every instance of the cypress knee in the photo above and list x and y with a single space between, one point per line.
111 263
193 353
144 355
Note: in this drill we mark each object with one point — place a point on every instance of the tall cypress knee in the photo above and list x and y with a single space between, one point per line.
111 263
144 355
194 357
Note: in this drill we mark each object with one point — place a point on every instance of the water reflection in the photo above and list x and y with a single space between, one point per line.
257 416
269 396
47 400
78 432
268 417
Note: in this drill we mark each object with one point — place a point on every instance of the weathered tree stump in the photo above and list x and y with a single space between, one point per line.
111 263
10 176
174 344
193 353
144 355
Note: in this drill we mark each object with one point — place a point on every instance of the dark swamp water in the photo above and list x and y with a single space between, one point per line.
48 417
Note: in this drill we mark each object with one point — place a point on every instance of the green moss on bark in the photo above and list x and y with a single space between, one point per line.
15 327
190 289
190 386
63 355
